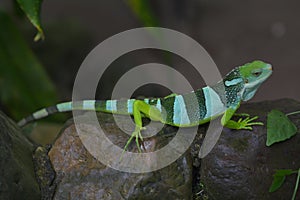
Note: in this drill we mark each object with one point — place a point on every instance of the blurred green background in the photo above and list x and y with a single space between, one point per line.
35 74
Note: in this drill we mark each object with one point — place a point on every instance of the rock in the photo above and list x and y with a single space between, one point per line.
81 176
17 179
44 171
241 165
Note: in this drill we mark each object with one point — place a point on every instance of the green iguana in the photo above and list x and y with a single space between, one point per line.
240 85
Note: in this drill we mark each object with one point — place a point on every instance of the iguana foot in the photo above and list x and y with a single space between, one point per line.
137 135
247 123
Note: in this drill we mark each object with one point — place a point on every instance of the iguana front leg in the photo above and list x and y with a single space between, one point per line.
246 123
139 108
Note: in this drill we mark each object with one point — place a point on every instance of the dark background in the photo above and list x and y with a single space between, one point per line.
233 32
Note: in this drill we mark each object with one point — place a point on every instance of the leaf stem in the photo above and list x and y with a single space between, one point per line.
293 113
296 186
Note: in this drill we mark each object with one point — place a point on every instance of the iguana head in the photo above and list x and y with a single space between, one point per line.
253 74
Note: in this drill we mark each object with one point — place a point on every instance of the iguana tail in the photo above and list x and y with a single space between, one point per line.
109 106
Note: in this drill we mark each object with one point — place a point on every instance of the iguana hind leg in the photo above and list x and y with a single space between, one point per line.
141 108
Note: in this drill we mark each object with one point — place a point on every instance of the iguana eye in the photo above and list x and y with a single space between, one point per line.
256 73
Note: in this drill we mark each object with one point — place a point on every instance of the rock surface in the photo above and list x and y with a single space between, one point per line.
81 176
17 179
44 171
241 166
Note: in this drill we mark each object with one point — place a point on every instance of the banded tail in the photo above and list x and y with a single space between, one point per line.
109 106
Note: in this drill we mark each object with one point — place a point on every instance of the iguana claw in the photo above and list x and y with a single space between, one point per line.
241 114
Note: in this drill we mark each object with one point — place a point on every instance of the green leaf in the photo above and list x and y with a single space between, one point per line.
278 178
284 172
32 10
143 11
279 127
24 84
277 182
